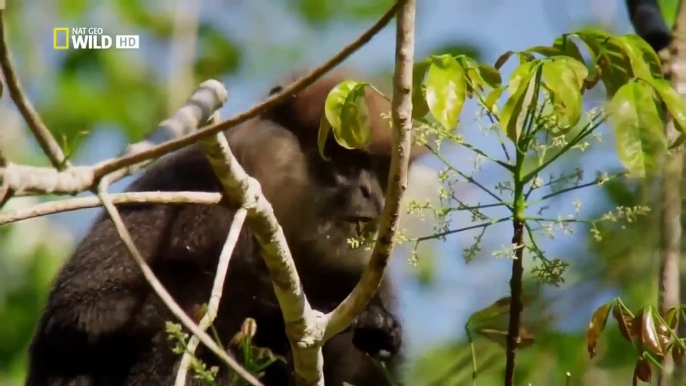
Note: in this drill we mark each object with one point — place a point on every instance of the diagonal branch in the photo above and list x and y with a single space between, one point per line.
216 296
45 139
162 292
128 198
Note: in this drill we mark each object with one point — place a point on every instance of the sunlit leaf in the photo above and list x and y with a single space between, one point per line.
639 58
640 138
356 127
568 47
419 106
608 55
323 135
565 82
479 76
672 100
493 97
445 90
545 50
596 326
517 104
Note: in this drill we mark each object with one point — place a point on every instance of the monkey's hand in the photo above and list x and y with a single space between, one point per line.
377 333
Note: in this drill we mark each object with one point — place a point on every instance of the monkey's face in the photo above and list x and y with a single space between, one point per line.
341 208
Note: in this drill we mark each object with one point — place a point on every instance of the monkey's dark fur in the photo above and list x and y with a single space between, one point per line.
104 325
648 22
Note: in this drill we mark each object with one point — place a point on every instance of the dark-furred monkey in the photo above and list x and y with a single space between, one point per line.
104 325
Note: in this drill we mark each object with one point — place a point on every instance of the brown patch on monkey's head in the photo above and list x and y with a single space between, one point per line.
302 112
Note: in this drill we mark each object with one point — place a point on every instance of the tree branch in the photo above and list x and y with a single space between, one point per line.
45 139
300 319
341 317
129 198
216 296
162 292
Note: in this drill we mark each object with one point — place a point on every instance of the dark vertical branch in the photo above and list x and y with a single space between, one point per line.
516 302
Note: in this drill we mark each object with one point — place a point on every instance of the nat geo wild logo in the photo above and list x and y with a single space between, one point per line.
90 38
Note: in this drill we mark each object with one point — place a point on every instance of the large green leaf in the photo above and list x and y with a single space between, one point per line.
564 77
515 108
419 106
638 128
646 56
672 100
609 56
446 90
347 113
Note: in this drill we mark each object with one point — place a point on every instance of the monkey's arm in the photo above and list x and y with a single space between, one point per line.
648 22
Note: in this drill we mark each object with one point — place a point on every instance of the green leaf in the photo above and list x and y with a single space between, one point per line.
568 47
479 75
419 106
597 325
609 56
672 100
323 135
347 113
638 129
545 50
446 90
645 56
356 127
493 97
564 77
516 106
502 59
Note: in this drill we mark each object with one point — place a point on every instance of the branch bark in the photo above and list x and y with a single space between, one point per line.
216 296
128 198
342 316
45 139
162 292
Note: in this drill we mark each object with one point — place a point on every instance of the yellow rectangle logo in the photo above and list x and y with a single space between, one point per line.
55 31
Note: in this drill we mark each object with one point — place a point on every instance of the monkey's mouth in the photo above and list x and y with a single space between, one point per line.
363 225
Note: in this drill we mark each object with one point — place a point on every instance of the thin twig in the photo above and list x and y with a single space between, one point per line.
341 317
458 230
45 139
216 296
128 198
159 289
